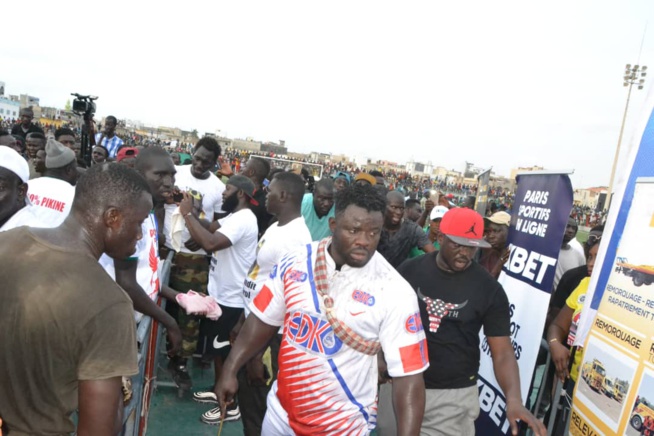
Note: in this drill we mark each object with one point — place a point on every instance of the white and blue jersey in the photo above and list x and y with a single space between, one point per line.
324 386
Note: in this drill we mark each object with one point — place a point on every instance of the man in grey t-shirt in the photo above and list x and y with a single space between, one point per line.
400 235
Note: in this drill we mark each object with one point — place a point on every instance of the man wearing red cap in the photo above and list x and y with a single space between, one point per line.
127 156
457 297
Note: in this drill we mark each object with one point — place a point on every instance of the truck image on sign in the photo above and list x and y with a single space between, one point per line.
642 412
593 374
620 388
640 274
608 387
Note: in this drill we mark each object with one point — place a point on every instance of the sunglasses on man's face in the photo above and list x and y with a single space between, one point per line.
594 239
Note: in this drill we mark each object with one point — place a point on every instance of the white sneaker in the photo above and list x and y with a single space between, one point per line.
213 416
208 397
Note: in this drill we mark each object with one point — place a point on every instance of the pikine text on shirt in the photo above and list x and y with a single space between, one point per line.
532 214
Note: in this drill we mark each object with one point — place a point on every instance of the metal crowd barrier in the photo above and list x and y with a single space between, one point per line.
558 402
539 386
135 414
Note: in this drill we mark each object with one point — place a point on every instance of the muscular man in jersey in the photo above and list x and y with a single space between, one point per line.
340 302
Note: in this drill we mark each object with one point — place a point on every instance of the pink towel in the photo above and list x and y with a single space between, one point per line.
198 304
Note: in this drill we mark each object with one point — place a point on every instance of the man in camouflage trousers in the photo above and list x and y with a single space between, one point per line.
190 270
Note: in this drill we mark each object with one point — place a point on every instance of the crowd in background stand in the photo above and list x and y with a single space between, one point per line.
411 186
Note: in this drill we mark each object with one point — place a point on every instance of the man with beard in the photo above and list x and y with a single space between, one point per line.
286 234
456 298
26 126
318 208
497 233
399 235
256 169
359 305
569 256
108 138
67 330
233 242
190 270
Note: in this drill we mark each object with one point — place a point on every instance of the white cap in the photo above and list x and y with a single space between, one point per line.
14 162
437 212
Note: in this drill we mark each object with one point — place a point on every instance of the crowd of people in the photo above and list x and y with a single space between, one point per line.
331 306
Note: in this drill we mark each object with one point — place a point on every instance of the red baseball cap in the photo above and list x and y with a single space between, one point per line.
126 152
465 227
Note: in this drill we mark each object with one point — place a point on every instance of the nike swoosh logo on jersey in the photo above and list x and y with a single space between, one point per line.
357 313
218 345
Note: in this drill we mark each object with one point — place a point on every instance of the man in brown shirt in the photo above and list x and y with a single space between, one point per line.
497 233
67 331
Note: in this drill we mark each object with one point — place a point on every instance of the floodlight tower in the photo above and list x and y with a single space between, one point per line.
633 75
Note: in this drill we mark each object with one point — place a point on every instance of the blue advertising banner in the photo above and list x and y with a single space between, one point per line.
615 334
638 159
538 221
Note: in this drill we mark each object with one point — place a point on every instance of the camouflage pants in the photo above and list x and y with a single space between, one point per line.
189 272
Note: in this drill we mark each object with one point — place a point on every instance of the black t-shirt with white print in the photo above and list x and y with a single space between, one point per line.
453 309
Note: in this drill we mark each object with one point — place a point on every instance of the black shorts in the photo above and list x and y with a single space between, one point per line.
217 332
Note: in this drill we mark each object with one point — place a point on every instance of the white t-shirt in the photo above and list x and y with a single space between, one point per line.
273 245
569 258
325 386
230 266
31 216
147 254
53 197
576 245
212 201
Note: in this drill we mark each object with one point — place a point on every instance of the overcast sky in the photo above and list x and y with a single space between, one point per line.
501 84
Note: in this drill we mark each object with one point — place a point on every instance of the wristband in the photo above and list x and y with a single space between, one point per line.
188 214
553 340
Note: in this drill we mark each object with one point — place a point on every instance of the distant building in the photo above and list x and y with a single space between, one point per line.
28 100
515 171
246 144
472 171
271 147
320 157
419 168
8 108
384 166
588 197
506 183
50 112
133 124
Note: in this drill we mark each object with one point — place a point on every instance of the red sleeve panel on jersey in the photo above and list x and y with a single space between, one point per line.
263 299
414 357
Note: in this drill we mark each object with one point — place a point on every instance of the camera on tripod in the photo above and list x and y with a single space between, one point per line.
84 105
